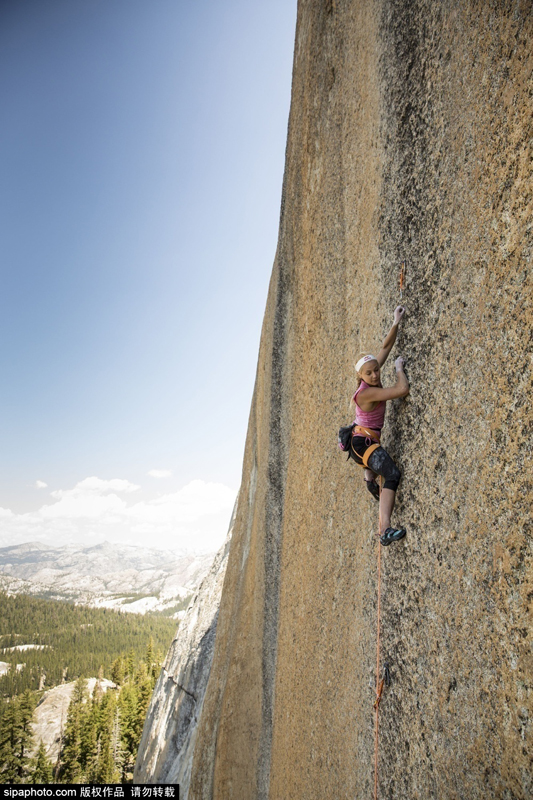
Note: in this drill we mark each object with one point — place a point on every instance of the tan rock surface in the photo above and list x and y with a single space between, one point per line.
409 139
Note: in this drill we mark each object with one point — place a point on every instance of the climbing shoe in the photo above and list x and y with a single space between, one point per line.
391 535
373 488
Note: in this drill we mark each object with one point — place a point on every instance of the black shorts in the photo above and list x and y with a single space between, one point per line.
379 461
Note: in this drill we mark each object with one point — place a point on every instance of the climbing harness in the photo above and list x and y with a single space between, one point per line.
359 430
346 435
372 440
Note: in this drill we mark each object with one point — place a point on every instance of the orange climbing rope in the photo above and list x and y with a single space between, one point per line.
379 684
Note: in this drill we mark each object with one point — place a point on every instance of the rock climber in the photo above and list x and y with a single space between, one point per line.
370 400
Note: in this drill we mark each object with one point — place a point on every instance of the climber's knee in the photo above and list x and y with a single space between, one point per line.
393 478
382 464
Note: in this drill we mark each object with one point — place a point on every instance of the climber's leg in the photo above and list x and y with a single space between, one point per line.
371 483
386 504
359 446
382 464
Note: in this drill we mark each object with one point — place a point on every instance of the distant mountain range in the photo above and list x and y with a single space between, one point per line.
134 579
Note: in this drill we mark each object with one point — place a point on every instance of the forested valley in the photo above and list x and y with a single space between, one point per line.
101 735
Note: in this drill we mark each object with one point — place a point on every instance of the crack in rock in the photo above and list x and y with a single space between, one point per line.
183 689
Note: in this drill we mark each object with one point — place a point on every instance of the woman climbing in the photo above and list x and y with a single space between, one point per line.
370 399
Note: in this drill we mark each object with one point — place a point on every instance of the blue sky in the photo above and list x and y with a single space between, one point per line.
141 160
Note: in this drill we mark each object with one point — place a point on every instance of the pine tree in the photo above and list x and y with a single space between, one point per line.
57 765
130 664
89 738
144 688
98 693
127 702
80 693
118 671
42 768
8 739
16 738
92 765
107 770
71 765
149 658
116 745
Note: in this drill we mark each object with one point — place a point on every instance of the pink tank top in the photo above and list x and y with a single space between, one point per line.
369 419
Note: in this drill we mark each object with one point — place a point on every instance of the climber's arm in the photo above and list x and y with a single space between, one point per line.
390 338
374 394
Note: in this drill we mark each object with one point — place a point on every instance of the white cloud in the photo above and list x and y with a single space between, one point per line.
91 498
160 473
97 486
40 485
196 517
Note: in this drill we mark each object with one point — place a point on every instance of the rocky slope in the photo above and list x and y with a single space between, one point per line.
51 715
409 140
106 575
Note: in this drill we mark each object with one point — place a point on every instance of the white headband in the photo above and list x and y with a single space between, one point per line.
363 361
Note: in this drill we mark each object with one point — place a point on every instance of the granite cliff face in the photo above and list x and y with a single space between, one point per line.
409 140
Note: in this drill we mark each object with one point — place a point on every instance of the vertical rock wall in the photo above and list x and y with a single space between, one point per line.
409 140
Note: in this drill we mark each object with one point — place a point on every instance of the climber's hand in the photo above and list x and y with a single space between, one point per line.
398 364
399 311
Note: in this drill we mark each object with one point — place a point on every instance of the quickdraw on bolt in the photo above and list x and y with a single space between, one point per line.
385 681
379 693
402 278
